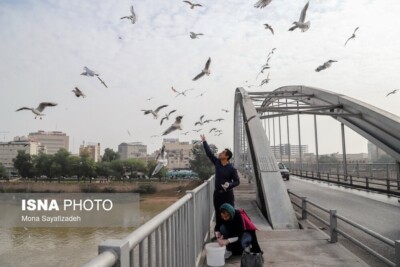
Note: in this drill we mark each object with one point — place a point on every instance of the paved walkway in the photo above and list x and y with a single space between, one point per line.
289 248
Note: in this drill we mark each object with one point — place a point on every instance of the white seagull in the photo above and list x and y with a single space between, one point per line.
167 116
353 36
132 17
38 111
262 3
392 92
154 112
90 73
265 81
325 65
225 110
180 93
268 27
175 126
162 161
200 122
206 70
194 35
304 26
78 92
192 5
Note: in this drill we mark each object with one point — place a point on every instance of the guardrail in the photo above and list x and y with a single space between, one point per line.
375 177
173 238
334 230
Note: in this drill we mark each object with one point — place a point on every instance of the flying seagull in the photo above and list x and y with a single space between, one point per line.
353 36
271 53
175 126
265 81
167 116
204 71
304 26
265 67
200 122
154 112
212 129
392 92
268 27
197 130
325 65
129 132
180 93
78 92
156 135
219 119
262 3
39 109
132 17
185 133
161 161
225 110
90 73
192 5
194 35
201 94
150 98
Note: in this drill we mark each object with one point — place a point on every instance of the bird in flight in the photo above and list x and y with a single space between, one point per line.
132 17
225 110
197 130
38 111
129 133
212 129
175 126
150 98
265 81
325 65
156 135
154 112
353 36
180 93
162 161
90 73
185 133
167 116
192 5
268 27
219 119
304 26
262 3
392 92
201 94
206 70
200 122
78 92
194 35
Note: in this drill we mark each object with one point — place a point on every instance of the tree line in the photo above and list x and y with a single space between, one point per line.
64 164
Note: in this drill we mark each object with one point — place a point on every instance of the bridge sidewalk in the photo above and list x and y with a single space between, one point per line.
300 247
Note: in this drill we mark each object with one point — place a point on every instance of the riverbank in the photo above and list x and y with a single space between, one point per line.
170 189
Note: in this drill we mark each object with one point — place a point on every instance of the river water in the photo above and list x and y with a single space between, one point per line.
52 246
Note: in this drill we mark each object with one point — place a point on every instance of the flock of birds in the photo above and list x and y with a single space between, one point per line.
301 24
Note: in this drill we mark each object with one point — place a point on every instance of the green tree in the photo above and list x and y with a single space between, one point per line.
88 167
61 163
3 171
328 159
110 155
134 166
23 163
201 163
42 163
103 169
118 168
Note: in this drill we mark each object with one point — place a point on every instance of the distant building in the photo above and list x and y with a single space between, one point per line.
352 158
92 150
53 141
179 153
9 150
132 150
374 152
288 149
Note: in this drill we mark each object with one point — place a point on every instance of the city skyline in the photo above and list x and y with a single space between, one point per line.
46 44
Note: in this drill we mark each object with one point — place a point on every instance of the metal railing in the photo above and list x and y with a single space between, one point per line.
380 177
173 238
334 230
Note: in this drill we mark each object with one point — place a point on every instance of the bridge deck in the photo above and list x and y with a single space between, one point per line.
300 247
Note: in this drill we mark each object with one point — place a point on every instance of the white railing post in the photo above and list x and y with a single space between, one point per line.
119 247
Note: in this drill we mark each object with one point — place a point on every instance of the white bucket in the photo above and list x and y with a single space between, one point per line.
215 254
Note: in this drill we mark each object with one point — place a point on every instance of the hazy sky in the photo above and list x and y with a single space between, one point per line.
45 44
